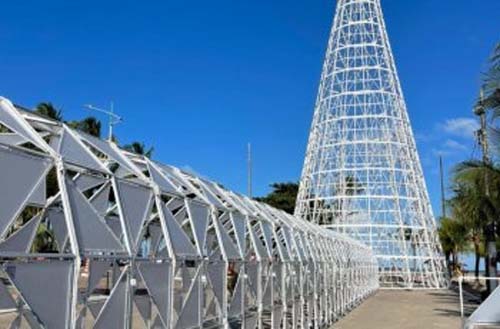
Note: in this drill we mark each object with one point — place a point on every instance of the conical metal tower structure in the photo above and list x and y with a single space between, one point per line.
362 175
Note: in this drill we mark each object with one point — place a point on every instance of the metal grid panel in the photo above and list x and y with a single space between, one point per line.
362 175
139 244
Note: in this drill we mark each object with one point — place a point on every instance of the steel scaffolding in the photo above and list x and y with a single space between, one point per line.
92 236
362 175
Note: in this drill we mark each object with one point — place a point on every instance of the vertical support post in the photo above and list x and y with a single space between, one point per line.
171 253
68 217
225 306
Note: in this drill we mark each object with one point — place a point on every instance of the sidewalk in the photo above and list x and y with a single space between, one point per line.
395 309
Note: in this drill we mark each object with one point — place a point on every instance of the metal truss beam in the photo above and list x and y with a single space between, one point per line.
362 175
133 243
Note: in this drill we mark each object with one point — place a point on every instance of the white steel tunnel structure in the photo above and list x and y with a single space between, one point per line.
92 236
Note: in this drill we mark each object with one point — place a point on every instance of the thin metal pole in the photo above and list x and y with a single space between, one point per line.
111 123
443 205
249 170
460 279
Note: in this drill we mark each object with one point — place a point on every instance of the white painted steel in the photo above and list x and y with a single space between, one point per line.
203 257
362 175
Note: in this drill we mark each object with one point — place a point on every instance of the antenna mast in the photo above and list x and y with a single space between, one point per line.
249 170
443 206
113 118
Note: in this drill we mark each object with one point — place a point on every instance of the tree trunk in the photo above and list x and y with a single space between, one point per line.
478 259
448 263
455 260
491 259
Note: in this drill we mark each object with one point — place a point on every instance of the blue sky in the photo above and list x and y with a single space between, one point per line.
200 79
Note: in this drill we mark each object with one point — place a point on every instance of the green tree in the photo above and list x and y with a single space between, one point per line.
48 110
348 186
139 148
484 175
89 125
454 239
283 196
491 84
478 209
44 240
467 207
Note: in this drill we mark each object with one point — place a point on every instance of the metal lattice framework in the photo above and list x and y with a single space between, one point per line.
362 175
138 244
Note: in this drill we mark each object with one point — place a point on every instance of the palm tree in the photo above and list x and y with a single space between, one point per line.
453 236
48 110
491 83
139 148
467 207
89 125
486 173
331 210
283 196
350 186
480 211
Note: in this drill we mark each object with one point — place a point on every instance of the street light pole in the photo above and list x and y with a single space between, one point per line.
489 229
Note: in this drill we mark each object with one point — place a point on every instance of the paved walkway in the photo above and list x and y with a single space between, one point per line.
394 309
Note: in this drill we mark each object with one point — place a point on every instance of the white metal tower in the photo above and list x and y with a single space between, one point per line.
362 175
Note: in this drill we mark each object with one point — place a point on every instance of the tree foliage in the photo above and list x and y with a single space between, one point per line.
282 196
475 204
89 125
454 237
139 148
466 208
491 83
44 239
48 110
